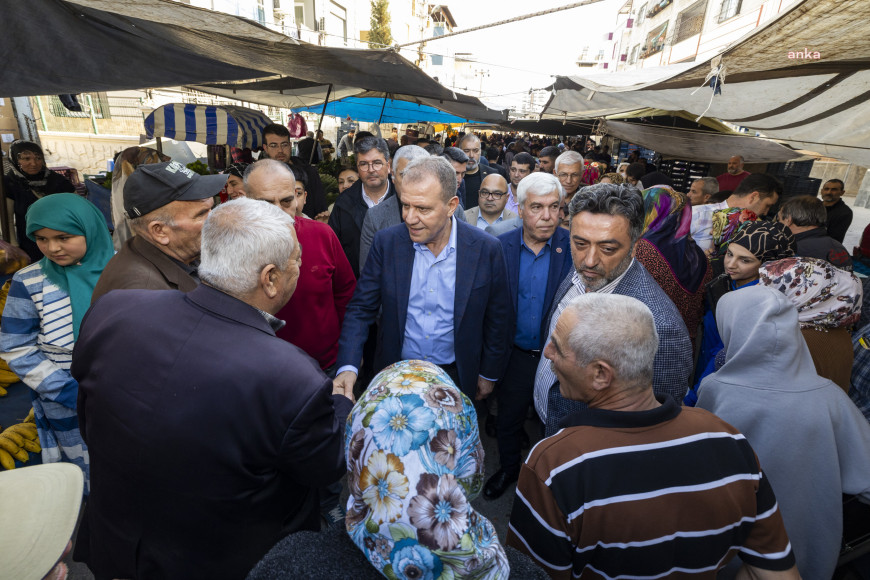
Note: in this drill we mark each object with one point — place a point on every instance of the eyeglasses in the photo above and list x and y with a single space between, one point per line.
492 194
376 165
571 176
274 146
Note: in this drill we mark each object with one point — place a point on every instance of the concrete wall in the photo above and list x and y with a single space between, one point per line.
87 153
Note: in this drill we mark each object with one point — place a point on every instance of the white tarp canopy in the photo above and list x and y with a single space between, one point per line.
814 105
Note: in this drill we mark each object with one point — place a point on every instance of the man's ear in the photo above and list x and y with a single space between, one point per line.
159 232
453 204
268 280
602 375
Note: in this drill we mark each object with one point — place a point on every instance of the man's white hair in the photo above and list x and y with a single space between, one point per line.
568 158
239 239
409 152
539 183
618 330
268 168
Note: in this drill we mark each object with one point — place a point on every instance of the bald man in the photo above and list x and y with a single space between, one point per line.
475 171
729 180
491 201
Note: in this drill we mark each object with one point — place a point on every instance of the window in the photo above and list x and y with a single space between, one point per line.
655 41
641 14
261 12
337 21
299 13
100 103
690 21
729 8
634 52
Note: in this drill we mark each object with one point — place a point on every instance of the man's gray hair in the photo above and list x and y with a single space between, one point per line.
805 210
409 152
370 142
539 183
163 214
435 167
270 168
742 160
568 158
611 199
709 185
468 137
239 239
617 329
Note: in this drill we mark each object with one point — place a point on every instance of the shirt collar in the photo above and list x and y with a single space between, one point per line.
451 243
275 323
549 243
624 419
383 197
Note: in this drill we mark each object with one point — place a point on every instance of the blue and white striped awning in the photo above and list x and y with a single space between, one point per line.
224 125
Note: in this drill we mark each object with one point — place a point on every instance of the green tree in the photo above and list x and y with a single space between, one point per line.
379 35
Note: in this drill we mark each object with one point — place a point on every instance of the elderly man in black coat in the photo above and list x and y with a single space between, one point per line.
208 434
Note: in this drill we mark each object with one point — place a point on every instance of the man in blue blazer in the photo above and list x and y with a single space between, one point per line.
538 259
441 286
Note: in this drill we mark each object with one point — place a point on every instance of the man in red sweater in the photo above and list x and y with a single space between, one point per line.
326 282
731 179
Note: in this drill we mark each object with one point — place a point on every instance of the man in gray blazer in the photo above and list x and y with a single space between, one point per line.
389 212
490 207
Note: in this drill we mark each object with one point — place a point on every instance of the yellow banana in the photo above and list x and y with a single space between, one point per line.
29 418
4 365
3 392
32 446
22 455
6 460
26 430
13 436
8 377
8 445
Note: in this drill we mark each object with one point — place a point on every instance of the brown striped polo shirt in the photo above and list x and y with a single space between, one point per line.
669 492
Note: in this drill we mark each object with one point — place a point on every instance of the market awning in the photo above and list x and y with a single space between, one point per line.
820 105
699 145
386 110
226 125
134 44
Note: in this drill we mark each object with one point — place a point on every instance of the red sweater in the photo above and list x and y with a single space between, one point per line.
728 182
326 283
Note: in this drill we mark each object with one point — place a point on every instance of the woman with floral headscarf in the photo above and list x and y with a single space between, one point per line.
828 301
751 244
415 462
668 252
27 180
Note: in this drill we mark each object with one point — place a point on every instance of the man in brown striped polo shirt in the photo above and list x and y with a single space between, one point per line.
636 486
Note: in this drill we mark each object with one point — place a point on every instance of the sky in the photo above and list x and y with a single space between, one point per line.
523 55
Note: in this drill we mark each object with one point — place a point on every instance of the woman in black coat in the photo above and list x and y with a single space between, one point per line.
28 180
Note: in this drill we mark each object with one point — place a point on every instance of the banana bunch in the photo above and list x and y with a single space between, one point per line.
17 441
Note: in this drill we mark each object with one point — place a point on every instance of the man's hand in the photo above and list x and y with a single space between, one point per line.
322 217
343 385
484 388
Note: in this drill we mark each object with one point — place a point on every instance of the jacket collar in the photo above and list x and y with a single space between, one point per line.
169 269
226 306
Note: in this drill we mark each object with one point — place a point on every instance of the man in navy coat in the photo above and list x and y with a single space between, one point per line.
538 259
441 285
208 434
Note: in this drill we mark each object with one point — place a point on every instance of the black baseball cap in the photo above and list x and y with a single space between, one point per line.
157 184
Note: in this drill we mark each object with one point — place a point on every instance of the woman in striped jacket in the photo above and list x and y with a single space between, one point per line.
47 301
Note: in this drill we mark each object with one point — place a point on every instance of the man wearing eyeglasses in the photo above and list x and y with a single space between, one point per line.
277 146
374 187
475 171
492 199
569 170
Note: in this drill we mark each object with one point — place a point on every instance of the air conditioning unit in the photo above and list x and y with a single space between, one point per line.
629 23
605 65
608 36
623 57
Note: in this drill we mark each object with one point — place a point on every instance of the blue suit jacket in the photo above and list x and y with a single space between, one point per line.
560 266
481 309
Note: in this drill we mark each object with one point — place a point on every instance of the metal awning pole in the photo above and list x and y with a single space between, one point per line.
4 214
320 123
384 106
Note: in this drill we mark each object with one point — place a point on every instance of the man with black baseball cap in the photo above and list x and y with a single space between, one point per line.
166 204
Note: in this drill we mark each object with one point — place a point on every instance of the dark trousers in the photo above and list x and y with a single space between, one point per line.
515 394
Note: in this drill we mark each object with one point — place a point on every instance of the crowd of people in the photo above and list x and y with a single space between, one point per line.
696 364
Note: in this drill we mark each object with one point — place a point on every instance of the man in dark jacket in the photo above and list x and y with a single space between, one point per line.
805 216
166 204
374 187
839 214
208 434
476 171
276 145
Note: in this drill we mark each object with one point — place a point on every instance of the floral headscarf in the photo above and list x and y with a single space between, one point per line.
726 223
825 296
415 462
766 241
666 225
